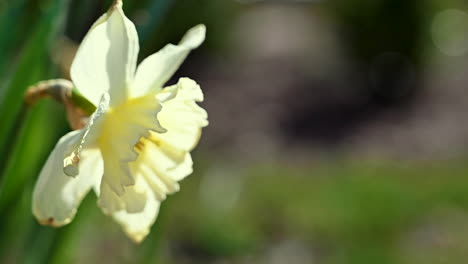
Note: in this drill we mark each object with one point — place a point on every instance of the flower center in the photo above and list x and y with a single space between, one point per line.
121 131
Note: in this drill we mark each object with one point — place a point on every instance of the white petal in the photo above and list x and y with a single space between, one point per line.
158 68
106 59
123 54
137 225
57 196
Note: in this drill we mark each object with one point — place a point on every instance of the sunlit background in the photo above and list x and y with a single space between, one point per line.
338 133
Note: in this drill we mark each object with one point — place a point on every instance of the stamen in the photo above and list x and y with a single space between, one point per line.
140 145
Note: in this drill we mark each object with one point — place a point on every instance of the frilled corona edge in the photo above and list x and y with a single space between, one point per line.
135 148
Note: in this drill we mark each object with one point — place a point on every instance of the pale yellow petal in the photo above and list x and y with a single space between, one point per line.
137 225
133 200
164 158
165 165
182 117
158 68
154 164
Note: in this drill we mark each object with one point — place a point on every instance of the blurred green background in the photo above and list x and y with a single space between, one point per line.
337 132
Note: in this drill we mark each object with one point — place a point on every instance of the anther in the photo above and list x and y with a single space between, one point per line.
140 145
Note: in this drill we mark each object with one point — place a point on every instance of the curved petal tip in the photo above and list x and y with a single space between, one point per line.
194 37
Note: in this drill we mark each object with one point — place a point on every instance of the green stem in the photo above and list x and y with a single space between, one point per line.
80 101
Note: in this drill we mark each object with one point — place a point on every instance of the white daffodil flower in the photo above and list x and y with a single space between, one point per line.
136 146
